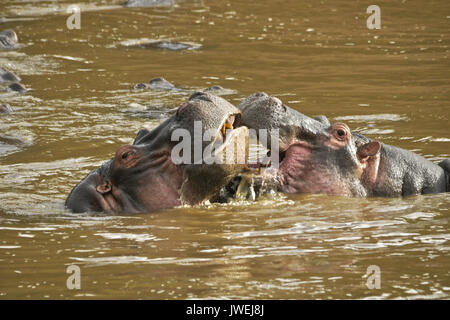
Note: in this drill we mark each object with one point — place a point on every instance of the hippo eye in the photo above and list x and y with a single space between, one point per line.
125 155
340 132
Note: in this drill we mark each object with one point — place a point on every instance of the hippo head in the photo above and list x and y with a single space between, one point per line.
315 156
261 111
5 108
8 39
185 160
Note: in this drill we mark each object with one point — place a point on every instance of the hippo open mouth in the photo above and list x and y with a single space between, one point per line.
299 148
233 121
231 131
318 157
185 160
313 155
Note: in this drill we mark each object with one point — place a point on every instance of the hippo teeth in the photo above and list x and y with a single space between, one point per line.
226 125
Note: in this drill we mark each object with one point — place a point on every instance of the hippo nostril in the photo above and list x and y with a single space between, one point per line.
182 107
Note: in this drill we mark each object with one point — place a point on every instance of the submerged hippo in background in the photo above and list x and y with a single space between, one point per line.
8 76
8 40
171 45
144 177
319 157
5 108
157 84
149 3
17 87
162 84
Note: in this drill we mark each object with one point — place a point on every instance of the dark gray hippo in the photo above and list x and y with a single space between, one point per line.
17 87
319 157
219 90
146 177
5 108
8 76
149 3
157 84
162 84
8 40
161 44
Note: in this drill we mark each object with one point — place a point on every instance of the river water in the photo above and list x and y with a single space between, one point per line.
319 57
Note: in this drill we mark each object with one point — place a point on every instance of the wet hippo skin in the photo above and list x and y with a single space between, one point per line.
157 84
149 3
5 108
8 40
8 76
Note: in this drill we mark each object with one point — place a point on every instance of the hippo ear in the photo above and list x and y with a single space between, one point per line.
368 150
323 119
140 134
89 196
104 188
369 159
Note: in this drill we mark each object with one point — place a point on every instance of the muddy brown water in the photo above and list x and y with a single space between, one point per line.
317 56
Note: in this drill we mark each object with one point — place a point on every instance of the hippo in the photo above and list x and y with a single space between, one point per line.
214 88
170 45
5 108
8 40
219 90
146 177
8 76
149 3
319 157
162 84
17 87
156 83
